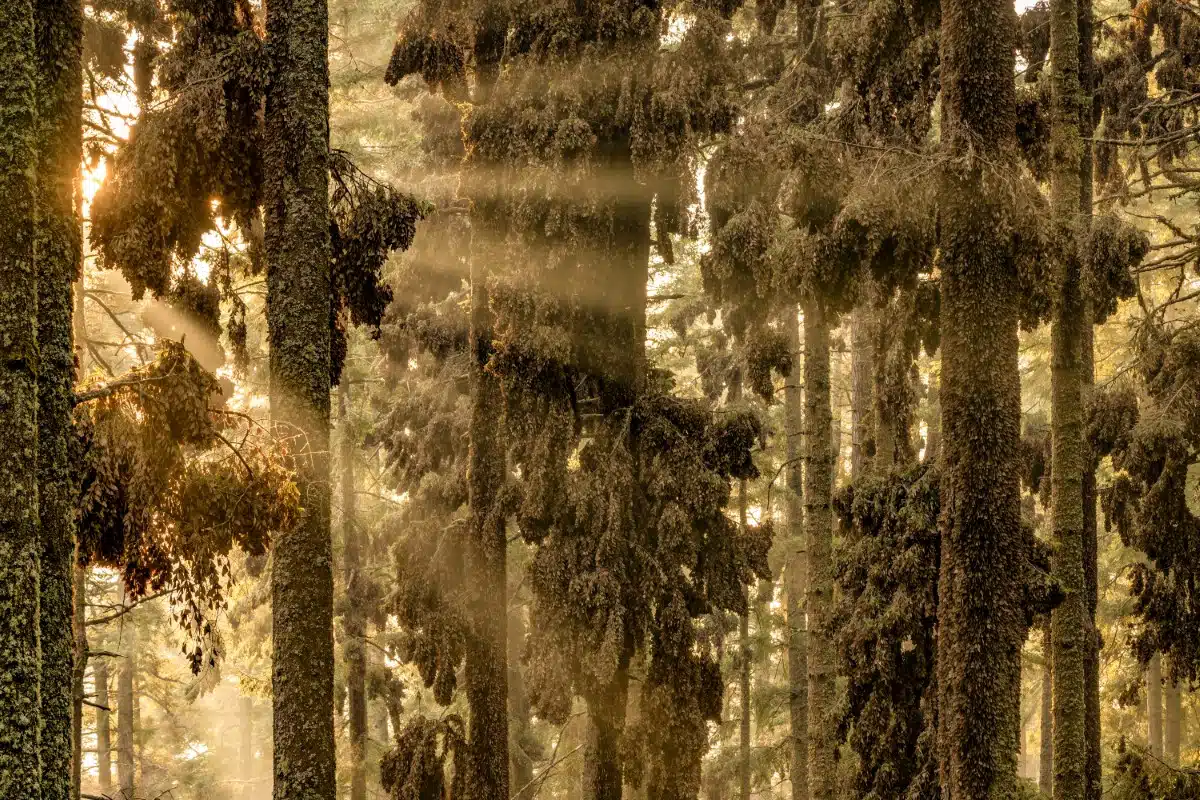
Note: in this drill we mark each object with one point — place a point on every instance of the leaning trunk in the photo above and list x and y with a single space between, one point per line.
1069 619
797 629
981 626
818 534
1154 707
296 192
20 661
355 621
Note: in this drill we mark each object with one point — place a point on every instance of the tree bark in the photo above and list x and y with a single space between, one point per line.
1046 763
981 625
296 192
1070 629
103 726
59 34
1154 706
862 383
355 623
20 656
797 629
78 669
818 534
126 781
1172 722
745 657
521 771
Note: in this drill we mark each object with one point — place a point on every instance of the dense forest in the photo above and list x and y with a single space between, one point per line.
599 399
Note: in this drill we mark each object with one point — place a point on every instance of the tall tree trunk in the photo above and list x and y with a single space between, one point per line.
20 656
126 781
296 192
862 383
59 33
103 726
1046 763
1154 707
1091 663
487 643
602 753
745 658
355 621
981 626
79 630
1172 721
818 534
246 745
1069 459
797 629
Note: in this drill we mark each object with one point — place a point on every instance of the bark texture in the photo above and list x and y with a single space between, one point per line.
298 315
1172 722
59 33
797 629
1069 459
980 614
818 535
1046 756
126 780
862 372
355 624
20 657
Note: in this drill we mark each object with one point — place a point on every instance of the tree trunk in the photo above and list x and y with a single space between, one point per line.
797 629
602 754
78 670
103 726
1154 707
355 623
1070 628
20 662
296 192
521 772
1172 722
744 673
862 383
818 534
1046 764
981 625
59 32
125 712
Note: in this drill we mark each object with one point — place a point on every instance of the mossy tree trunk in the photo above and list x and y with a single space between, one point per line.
1069 619
1154 706
59 33
797 629
981 625
818 535
296 192
1046 756
355 623
20 656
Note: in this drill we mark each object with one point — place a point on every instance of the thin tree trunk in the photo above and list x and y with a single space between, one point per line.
818 534
299 291
126 782
1046 764
862 384
355 622
519 710
79 630
1172 722
20 661
981 625
797 629
103 726
1069 619
744 673
59 34
1154 706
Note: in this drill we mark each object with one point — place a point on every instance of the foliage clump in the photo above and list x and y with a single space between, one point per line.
415 769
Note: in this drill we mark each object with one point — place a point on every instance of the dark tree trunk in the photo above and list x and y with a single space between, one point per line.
355 622
797 628
1069 458
1046 761
126 782
1154 706
20 663
745 658
296 191
59 33
981 626
818 535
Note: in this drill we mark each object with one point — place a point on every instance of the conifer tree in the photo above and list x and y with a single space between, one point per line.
20 651
59 36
